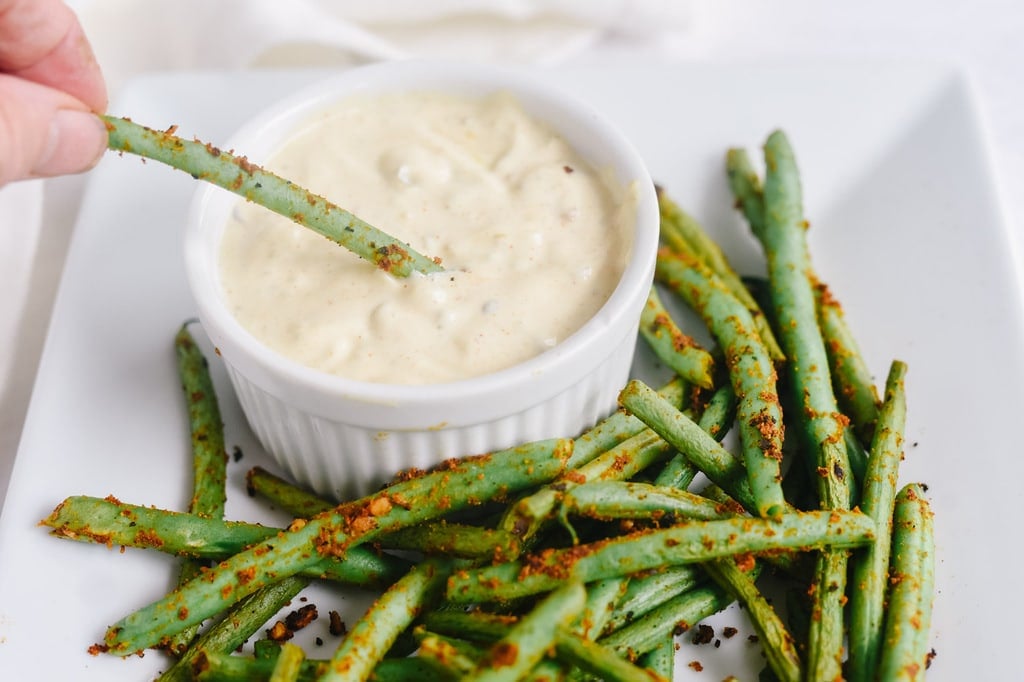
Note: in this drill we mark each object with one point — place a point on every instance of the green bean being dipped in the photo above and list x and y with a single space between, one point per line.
237 174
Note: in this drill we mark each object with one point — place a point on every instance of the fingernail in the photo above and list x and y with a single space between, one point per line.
75 143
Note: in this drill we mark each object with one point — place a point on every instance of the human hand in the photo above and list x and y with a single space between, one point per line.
50 90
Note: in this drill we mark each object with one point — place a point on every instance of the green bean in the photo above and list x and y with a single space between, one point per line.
751 372
439 537
617 428
870 569
855 390
695 541
719 413
676 615
528 640
778 645
911 575
229 633
647 592
684 234
687 437
227 668
299 502
456 486
237 174
661 660
602 597
114 523
746 187
784 240
209 459
600 661
527 516
717 417
624 500
288 664
447 653
679 351
371 637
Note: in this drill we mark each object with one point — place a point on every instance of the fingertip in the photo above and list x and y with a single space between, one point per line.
75 142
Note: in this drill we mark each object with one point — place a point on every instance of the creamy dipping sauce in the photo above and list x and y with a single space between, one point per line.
533 241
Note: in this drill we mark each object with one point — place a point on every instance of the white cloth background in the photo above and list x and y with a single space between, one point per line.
133 37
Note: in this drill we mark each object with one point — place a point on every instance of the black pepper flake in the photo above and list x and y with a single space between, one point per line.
236 454
319 641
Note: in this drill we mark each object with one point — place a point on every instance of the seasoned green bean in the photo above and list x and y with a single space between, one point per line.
237 174
751 372
870 569
679 351
695 541
457 486
911 575
370 638
529 639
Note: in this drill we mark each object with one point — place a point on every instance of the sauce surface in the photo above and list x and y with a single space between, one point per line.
533 241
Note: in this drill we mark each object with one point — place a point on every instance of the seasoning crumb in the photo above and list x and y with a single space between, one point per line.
236 454
696 666
752 639
729 632
337 625
929 658
704 634
300 618
568 169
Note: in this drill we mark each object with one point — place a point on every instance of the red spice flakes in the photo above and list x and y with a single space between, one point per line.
503 654
183 613
695 666
246 575
148 538
929 657
97 649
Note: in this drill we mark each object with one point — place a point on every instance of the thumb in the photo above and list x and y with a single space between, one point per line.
45 132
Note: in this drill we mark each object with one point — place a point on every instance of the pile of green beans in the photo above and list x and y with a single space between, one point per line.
586 557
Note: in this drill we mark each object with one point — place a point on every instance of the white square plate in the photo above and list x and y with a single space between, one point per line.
906 228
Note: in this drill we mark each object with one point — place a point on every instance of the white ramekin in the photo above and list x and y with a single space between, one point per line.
344 437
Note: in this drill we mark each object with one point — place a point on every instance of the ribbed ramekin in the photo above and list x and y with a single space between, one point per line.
344 437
